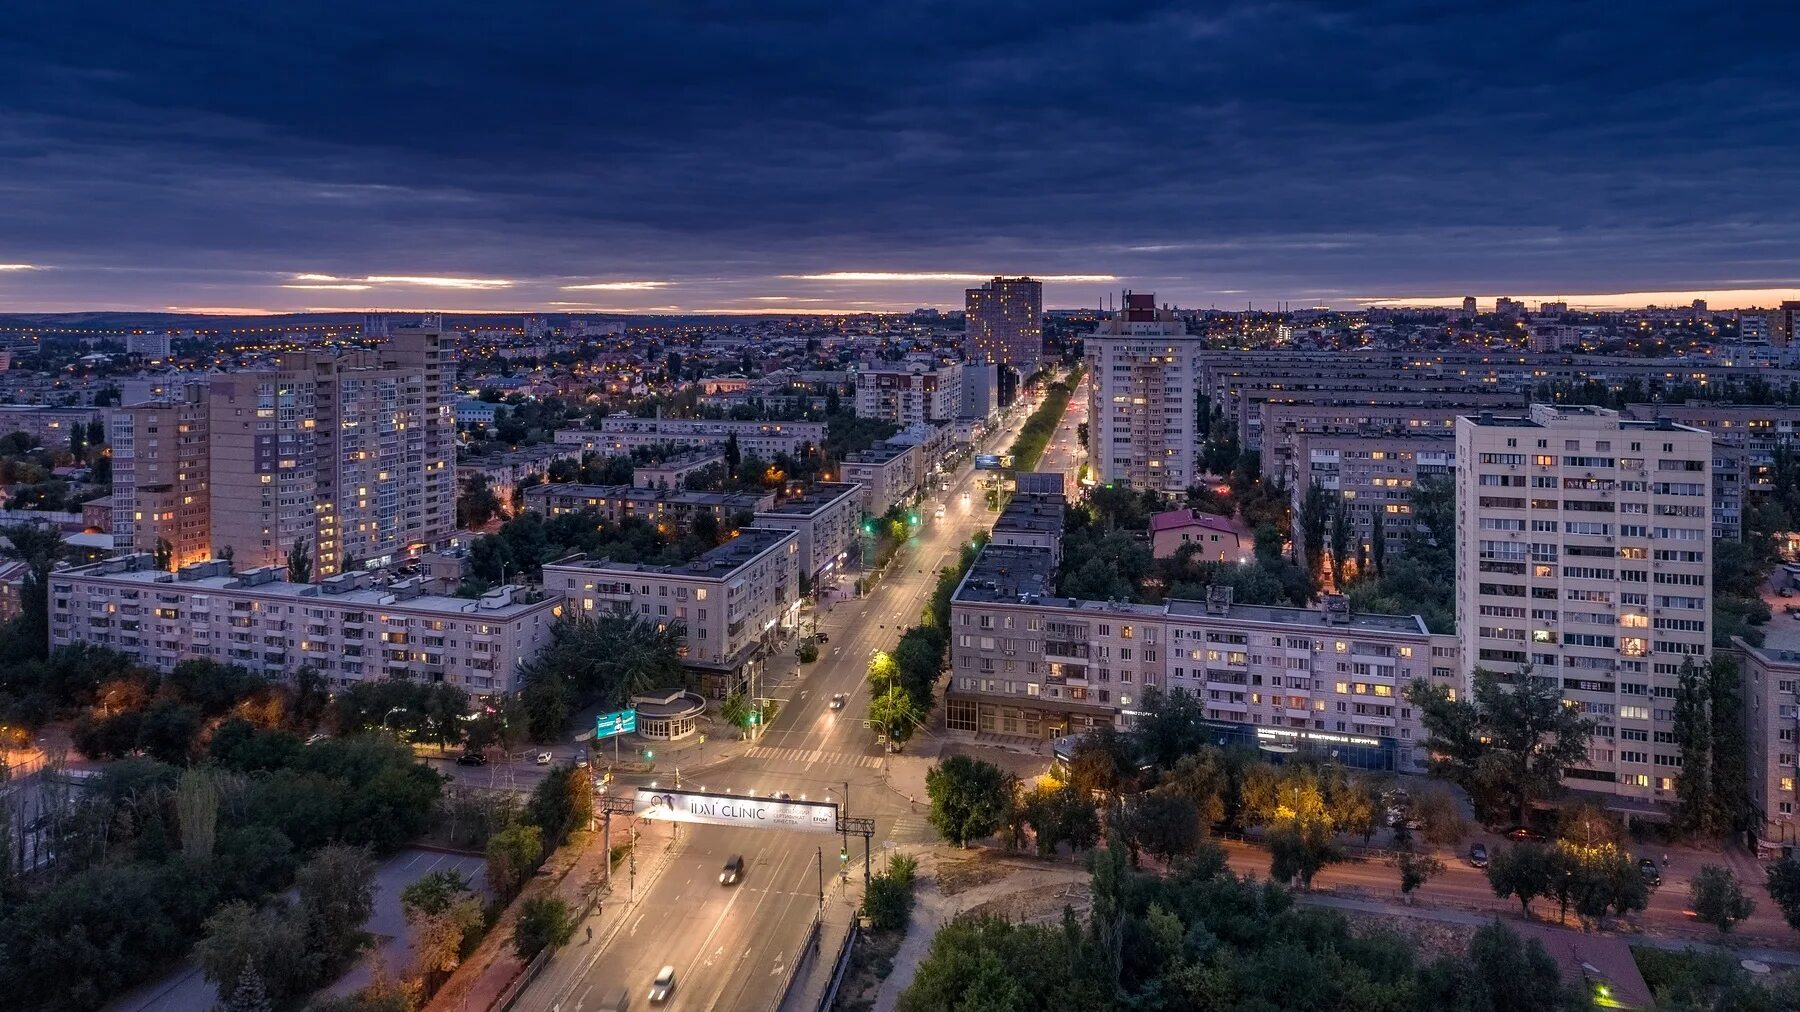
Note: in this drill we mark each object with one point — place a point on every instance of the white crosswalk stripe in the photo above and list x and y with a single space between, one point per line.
813 757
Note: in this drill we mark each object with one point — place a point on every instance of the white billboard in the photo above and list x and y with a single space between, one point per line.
735 810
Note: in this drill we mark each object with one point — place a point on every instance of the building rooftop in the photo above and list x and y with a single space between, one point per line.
1176 519
880 453
350 589
718 563
637 493
820 496
1029 513
1018 574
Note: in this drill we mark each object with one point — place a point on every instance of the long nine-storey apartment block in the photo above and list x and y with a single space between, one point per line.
1027 663
346 628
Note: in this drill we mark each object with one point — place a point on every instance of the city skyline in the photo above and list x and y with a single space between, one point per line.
394 158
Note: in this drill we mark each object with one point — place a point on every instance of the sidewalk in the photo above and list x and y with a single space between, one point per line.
576 868
808 987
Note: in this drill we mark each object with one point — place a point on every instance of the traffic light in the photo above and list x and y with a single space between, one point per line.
912 518
844 855
868 526
649 754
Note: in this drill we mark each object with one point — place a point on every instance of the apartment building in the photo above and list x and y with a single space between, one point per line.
1772 718
1141 406
345 627
1744 440
733 602
911 393
673 472
1584 553
1003 322
1278 424
1034 521
825 520
617 502
1026 663
622 433
51 427
1373 476
346 453
505 473
888 472
161 476
980 391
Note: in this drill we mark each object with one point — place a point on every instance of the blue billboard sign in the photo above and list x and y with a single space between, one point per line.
611 725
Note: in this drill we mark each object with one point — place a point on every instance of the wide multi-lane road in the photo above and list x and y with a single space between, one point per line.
732 946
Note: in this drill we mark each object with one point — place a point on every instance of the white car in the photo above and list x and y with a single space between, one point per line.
837 700
545 758
663 986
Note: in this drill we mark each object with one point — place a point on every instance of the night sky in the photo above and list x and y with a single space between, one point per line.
712 156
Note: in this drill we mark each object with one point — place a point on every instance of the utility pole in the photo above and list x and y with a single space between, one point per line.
821 878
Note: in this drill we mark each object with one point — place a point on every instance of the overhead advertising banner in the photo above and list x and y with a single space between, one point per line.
735 810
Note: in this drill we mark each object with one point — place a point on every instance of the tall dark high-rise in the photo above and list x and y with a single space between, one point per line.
1004 323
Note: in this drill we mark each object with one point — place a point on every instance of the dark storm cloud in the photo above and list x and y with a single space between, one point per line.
200 153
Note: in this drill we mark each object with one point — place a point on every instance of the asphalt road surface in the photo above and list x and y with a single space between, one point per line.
731 946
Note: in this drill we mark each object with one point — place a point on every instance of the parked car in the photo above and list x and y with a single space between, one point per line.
1525 834
1650 871
663 986
544 758
1478 856
471 759
734 870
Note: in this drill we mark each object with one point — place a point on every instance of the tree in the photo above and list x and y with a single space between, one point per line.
1784 888
1415 870
476 504
1341 532
889 900
40 548
1378 544
268 942
337 893
162 556
735 710
544 922
1165 826
250 995
1523 871
299 562
440 938
970 798
1299 848
197 812
1718 898
561 802
1506 745
512 855
1694 808
807 652
1313 516
433 893
734 456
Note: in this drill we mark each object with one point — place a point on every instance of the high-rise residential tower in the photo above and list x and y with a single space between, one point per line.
1141 397
1004 322
1583 552
348 454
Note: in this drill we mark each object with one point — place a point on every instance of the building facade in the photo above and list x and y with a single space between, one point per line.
161 476
825 520
1141 398
1584 554
51 427
620 434
1374 477
1003 322
733 602
910 393
888 472
1028 664
345 628
617 502
1772 725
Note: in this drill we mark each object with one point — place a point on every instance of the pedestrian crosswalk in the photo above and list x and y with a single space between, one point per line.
911 828
814 757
